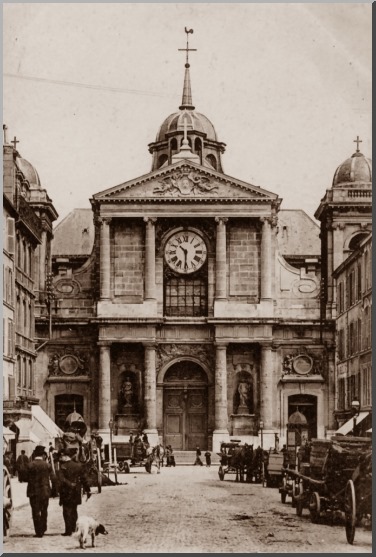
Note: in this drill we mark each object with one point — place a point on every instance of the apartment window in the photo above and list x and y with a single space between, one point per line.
359 281
341 394
341 344
24 373
10 338
360 346
19 371
351 288
31 376
366 385
340 297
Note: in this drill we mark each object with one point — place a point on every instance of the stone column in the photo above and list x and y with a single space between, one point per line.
220 259
267 386
220 433
266 259
104 410
221 417
150 258
150 391
105 258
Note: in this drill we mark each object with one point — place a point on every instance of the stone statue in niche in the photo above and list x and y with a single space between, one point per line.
287 364
126 393
244 391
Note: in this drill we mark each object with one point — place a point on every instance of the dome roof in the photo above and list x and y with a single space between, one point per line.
355 169
297 418
29 172
195 122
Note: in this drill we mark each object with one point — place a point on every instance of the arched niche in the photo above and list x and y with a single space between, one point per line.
244 391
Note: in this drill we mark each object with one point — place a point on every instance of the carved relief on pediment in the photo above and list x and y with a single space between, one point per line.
184 183
69 362
168 352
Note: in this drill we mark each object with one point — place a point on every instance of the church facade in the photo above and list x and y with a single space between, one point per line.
189 305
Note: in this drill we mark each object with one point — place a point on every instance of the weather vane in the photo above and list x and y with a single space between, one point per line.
187 49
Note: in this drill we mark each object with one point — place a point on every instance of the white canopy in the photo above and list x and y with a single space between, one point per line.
8 432
349 425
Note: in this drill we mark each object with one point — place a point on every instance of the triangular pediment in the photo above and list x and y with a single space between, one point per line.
185 181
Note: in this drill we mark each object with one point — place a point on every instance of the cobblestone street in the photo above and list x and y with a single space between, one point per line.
187 509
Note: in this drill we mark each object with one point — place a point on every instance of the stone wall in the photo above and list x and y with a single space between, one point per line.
244 261
128 260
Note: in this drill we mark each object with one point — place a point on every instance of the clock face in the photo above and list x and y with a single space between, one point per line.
185 252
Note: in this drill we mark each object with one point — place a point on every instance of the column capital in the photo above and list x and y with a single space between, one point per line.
272 220
268 345
151 345
104 220
219 344
104 343
150 220
221 220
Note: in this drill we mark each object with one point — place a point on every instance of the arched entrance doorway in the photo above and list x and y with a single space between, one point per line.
307 405
185 406
65 404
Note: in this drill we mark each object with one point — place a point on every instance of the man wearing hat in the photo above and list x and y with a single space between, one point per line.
72 477
39 474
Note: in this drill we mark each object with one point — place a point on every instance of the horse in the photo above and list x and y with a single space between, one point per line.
241 460
155 456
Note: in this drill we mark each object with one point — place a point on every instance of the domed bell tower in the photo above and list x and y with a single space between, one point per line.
187 135
345 213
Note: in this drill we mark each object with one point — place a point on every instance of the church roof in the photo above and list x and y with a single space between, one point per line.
298 234
74 235
355 169
195 122
30 173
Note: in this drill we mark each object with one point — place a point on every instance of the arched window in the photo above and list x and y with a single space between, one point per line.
356 240
65 404
173 146
162 160
212 161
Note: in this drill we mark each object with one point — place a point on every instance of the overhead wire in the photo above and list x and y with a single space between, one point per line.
86 85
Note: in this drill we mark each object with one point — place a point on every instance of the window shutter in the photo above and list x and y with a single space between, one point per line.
12 387
11 235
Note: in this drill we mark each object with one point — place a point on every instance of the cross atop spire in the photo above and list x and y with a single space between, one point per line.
357 141
15 141
187 94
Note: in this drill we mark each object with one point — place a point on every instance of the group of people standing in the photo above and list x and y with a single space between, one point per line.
44 481
198 461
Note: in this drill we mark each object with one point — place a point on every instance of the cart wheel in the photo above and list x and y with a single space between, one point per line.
314 507
126 467
7 503
350 511
221 473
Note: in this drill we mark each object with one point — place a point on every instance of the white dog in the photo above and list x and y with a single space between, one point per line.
88 526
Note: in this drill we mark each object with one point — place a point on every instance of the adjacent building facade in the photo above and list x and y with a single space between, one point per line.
28 214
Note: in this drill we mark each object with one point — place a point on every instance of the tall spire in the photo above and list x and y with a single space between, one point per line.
186 103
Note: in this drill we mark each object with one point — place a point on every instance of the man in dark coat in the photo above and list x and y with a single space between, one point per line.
39 474
72 475
21 466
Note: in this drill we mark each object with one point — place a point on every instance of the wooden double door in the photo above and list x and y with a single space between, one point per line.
186 417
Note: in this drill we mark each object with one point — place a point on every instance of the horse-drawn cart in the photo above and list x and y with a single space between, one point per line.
358 496
130 454
321 489
236 459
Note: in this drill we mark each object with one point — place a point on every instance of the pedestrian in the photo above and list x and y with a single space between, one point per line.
21 466
145 438
39 474
72 478
198 461
208 458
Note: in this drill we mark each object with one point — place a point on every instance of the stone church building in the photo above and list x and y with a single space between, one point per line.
188 304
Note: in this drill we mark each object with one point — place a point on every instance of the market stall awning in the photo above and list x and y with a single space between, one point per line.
349 425
8 433
24 425
42 424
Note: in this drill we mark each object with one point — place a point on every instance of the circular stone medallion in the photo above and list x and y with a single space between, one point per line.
302 364
68 364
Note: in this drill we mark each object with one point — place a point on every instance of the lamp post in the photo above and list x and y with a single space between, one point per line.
261 426
110 425
355 407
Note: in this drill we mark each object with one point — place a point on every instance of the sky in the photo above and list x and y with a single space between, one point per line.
287 87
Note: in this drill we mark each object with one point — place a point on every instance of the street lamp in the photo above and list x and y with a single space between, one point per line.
110 425
261 426
355 407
